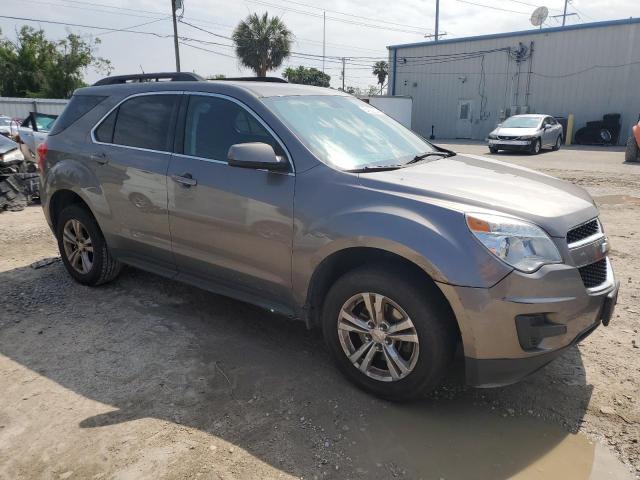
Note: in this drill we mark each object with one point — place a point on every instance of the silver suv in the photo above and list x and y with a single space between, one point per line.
309 202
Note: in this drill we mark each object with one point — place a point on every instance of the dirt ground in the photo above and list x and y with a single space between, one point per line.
148 378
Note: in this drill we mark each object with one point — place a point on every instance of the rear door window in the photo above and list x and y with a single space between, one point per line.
145 122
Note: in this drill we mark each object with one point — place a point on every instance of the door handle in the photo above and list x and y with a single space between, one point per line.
185 179
100 158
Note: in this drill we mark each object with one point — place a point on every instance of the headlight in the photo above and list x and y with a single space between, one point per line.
522 245
528 137
493 136
12 156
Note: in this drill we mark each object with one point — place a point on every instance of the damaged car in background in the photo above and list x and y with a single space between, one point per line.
18 177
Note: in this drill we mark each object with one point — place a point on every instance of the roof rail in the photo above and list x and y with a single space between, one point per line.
254 79
150 77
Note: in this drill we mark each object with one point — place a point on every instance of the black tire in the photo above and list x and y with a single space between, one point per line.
536 147
104 267
429 313
558 143
493 150
632 153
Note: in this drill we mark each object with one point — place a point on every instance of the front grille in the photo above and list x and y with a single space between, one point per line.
594 274
583 231
503 137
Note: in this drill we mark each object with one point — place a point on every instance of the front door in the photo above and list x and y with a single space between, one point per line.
464 122
231 227
130 157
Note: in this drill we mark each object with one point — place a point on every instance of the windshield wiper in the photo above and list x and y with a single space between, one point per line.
417 158
374 168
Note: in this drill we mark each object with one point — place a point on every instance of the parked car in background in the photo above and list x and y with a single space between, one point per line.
632 153
33 132
5 126
530 133
18 182
311 203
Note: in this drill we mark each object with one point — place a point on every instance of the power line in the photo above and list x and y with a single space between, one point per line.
337 19
492 7
352 15
67 24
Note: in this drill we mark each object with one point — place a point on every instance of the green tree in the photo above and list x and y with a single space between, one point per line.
262 43
307 76
34 66
381 70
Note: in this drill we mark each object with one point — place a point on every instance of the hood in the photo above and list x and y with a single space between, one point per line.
515 132
6 145
479 184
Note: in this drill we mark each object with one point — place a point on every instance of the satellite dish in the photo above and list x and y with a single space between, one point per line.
539 15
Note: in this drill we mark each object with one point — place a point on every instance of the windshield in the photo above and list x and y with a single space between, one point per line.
5 122
521 122
347 132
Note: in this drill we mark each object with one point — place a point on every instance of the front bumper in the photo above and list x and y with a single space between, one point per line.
510 144
496 348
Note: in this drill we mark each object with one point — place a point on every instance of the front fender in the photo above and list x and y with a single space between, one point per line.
437 241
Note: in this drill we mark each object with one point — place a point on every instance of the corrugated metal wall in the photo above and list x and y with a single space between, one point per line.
585 70
20 107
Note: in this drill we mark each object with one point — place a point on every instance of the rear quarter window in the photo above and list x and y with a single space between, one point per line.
78 106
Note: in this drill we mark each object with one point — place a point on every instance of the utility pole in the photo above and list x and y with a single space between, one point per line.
324 34
343 60
174 7
438 18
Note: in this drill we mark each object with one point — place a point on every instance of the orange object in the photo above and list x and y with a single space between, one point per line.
477 225
636 133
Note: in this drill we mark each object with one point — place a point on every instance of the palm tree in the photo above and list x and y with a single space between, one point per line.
262 43
381 70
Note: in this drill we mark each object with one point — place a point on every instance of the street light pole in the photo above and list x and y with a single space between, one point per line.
175 35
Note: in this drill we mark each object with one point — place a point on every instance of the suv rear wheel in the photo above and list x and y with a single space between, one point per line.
386 335
83 249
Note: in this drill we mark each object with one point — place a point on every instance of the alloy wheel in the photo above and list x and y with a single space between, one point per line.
378 337
78 247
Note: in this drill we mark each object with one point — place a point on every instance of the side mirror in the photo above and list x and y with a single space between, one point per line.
255 155
498 125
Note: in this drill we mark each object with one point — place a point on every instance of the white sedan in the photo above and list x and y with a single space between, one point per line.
529 133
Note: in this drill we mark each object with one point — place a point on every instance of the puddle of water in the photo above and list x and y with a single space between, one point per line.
458 441
617 200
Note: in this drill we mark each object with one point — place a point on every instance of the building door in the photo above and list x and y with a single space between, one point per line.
465 118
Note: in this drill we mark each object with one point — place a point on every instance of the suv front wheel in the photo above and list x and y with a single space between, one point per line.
83 249
387 335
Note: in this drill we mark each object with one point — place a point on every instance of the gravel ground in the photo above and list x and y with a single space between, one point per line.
148 378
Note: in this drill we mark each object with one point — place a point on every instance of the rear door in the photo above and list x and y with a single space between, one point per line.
231 227
132 148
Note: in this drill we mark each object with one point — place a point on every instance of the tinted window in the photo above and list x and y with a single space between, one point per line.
104 133
76 108
214 124
146 122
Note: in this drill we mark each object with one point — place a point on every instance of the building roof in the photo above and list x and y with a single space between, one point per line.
534 31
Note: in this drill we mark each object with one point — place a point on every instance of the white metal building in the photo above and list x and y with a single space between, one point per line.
463 87
20 107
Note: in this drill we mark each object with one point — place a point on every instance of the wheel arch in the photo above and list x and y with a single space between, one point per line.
347 259
60 200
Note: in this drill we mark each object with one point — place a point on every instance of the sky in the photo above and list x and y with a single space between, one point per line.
359 30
